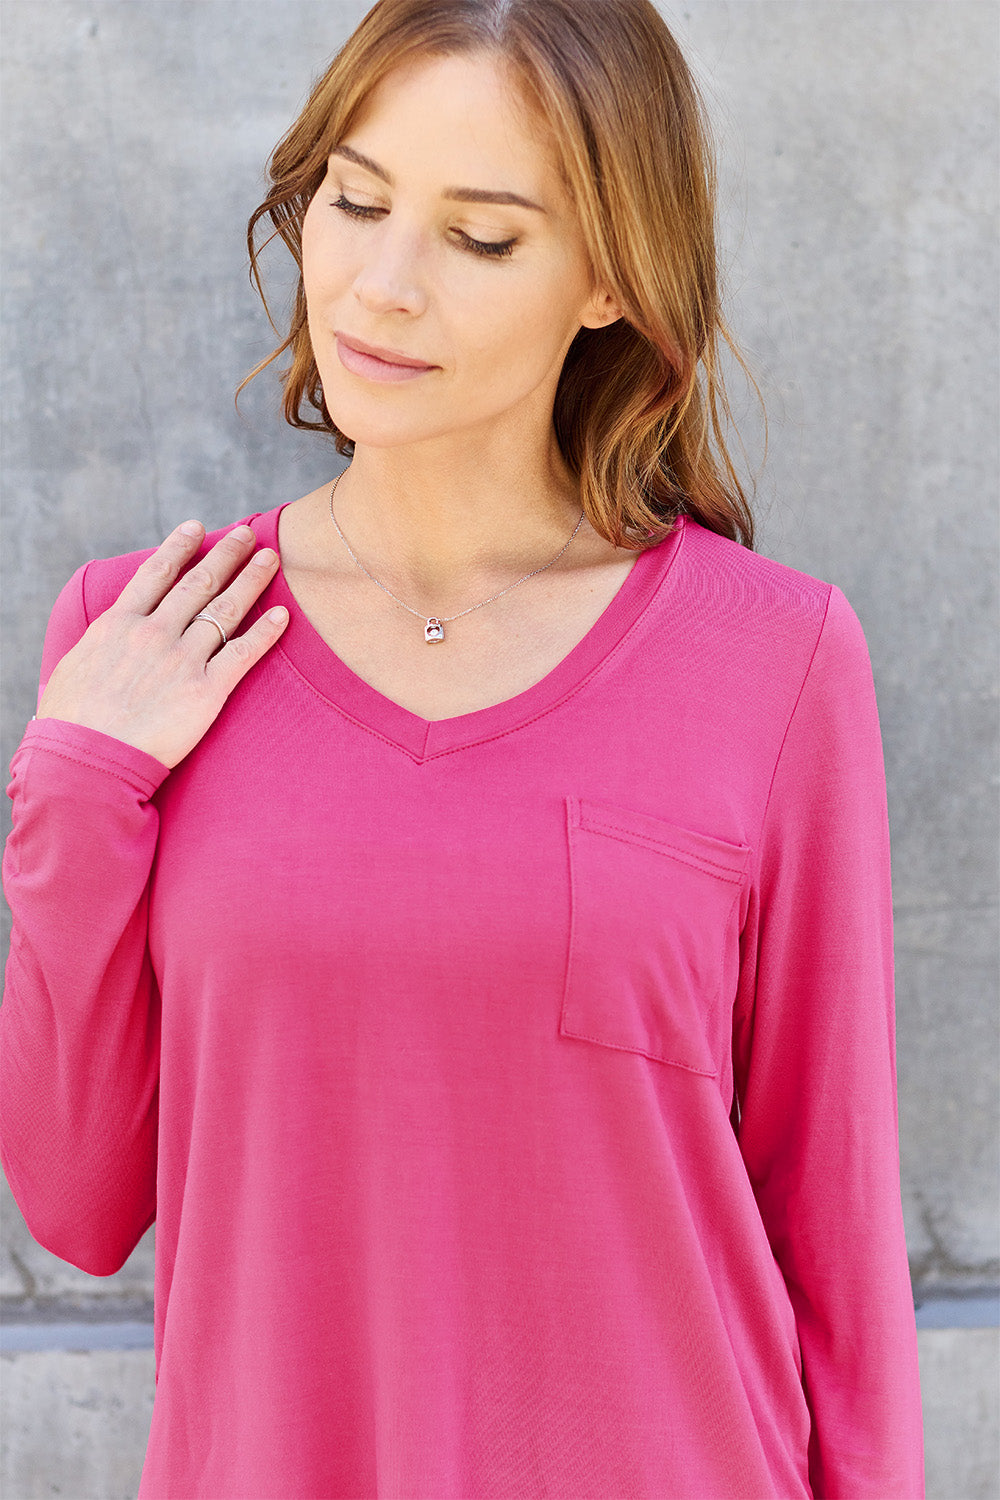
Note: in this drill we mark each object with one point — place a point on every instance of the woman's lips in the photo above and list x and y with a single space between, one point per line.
371 368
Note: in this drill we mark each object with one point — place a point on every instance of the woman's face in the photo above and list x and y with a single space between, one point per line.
390 258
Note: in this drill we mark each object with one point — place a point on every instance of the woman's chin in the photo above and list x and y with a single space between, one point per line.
381 429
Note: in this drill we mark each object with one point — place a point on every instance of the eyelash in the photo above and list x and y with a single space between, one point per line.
478 247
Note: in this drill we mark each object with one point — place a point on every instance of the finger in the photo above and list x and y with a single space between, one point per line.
228 608
151 580
219 635
233 661
202 584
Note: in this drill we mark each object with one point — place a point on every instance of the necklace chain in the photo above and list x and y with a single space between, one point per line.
433 625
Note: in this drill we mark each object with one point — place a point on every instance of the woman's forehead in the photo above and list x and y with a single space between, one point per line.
479 117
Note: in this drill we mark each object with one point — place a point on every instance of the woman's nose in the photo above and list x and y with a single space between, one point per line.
389 277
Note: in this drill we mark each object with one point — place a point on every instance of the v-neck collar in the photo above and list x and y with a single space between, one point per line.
423 739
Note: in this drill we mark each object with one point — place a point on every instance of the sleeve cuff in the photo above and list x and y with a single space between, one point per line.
97 750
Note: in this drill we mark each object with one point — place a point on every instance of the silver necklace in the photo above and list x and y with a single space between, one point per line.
433 626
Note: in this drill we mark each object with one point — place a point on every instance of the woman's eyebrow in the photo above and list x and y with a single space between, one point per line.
457 194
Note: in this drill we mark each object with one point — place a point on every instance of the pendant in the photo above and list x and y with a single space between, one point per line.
433 630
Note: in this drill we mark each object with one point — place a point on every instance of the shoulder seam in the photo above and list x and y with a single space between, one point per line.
791 716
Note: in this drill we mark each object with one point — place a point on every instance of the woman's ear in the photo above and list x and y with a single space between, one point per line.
601 310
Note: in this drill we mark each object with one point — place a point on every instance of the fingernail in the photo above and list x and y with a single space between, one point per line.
264 557
278 615
191 528
241 533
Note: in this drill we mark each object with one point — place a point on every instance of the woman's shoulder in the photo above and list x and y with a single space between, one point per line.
102 579
757 601
740 583
741 575
96 585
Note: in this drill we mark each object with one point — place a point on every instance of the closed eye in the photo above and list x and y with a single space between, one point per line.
477 247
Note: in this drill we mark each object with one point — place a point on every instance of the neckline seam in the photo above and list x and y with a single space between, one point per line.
577 686
345 713
427 726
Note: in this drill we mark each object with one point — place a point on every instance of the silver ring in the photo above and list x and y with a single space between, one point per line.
204 615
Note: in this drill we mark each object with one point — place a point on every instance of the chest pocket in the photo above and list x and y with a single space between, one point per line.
654 936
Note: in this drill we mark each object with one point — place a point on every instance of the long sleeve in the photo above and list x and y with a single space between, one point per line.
79 1026
814 1054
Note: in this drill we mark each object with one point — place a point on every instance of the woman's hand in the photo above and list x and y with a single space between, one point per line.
146 671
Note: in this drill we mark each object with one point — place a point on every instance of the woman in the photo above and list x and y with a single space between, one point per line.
499 1034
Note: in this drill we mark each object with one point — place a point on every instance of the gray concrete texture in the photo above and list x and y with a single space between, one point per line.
858 146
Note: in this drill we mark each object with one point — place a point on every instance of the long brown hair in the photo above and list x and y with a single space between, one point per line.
640 408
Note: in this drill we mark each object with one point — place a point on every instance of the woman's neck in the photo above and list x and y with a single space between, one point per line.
438 530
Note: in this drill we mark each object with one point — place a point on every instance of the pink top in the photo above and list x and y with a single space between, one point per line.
514 1093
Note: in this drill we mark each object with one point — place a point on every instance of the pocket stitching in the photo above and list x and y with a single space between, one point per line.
582 821
670 1062
696 861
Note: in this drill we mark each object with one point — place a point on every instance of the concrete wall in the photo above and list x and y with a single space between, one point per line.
859 171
